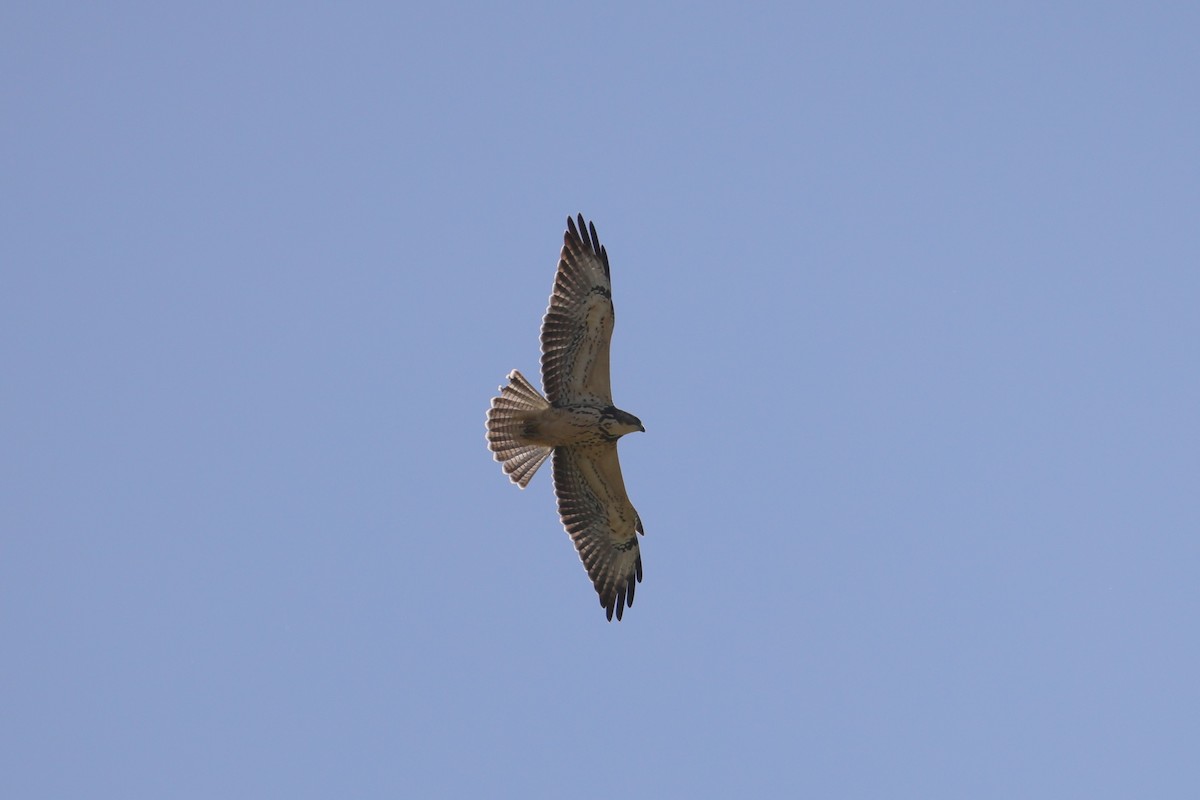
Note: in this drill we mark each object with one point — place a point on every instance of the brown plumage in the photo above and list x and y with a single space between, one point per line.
577 422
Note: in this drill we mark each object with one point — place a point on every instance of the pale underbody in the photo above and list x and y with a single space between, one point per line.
572 425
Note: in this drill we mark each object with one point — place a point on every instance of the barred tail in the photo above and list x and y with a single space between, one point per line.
505 423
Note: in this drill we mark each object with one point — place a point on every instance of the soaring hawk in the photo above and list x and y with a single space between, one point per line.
577 422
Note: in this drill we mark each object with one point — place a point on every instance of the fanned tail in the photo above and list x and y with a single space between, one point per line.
506 420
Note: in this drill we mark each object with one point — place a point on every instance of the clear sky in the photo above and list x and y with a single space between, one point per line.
907 298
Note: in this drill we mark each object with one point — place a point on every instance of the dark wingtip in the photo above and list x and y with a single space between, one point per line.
585 234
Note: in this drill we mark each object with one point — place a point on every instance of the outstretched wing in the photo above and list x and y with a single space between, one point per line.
600 520
577 328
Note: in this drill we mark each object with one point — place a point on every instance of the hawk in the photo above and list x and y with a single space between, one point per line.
576 422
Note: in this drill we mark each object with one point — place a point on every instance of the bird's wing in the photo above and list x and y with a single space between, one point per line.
600 520
578 324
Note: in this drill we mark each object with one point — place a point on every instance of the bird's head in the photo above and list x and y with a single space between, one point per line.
616 423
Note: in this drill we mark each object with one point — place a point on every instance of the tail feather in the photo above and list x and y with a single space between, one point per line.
505 423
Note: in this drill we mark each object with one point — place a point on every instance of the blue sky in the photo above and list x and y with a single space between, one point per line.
907 300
